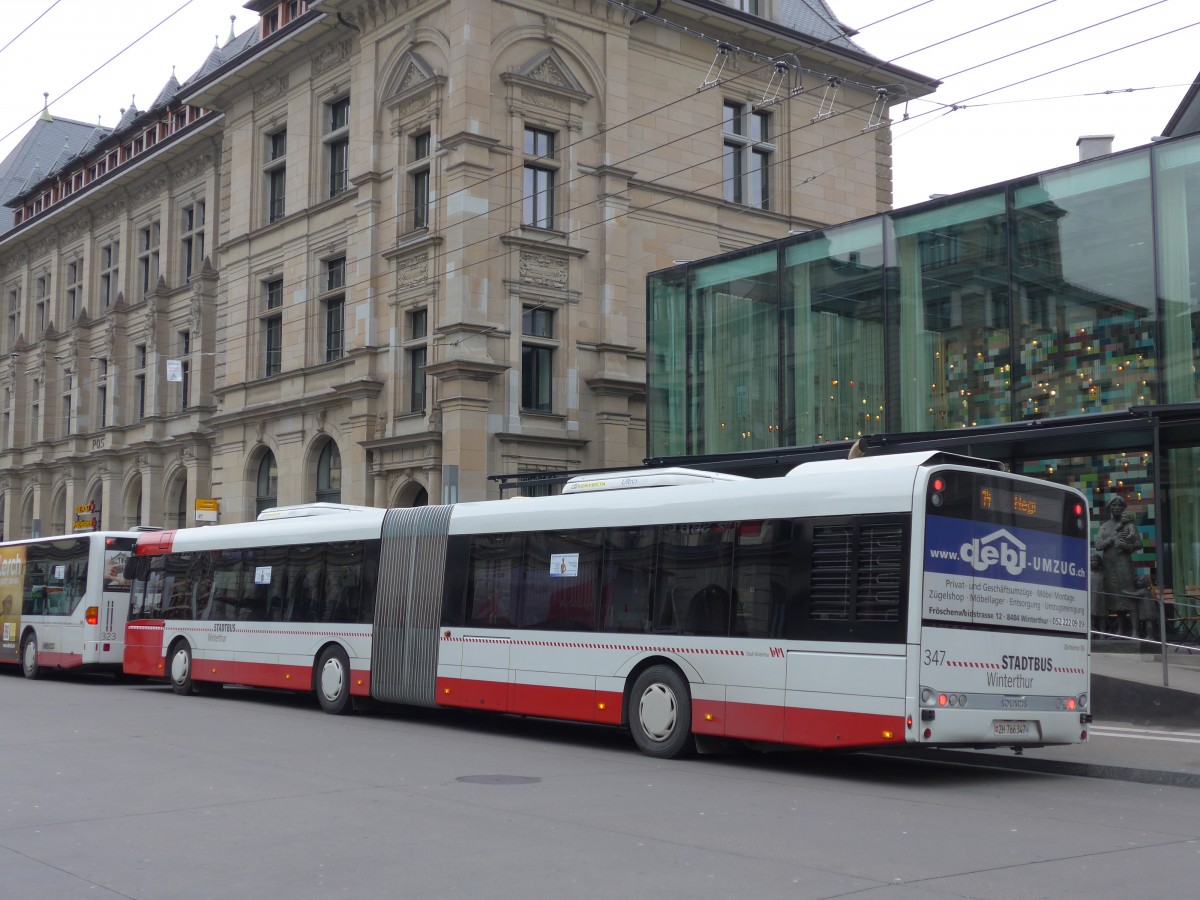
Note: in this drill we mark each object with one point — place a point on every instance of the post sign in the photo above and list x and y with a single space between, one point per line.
207 510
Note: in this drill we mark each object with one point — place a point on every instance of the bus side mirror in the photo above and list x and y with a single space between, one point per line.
137 568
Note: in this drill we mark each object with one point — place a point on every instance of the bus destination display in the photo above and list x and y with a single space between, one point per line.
1019 505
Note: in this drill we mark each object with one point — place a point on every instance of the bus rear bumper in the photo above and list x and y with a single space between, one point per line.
1004 728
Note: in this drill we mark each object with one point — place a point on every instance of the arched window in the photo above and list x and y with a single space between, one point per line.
181 505
266 493
133 515
27 529
59 511
329 475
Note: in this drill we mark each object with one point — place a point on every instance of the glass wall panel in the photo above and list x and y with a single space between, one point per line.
950 322
834 339
733 357
1177 187
1125 570
1181 494
1083 273
666 388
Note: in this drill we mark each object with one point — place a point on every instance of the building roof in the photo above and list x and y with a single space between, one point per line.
1186 119
53 145
38 153
814 17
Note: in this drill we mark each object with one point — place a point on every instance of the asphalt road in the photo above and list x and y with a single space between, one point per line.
125 790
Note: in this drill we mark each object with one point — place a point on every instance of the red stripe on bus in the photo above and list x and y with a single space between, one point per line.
271 675
831 728
742 721
52 659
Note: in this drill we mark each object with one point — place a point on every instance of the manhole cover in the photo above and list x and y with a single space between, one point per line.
497 779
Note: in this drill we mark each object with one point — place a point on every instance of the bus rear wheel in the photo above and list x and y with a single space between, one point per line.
332 681
660 713
179 668
29 657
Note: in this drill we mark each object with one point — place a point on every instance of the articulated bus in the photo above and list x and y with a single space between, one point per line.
918 598
63 601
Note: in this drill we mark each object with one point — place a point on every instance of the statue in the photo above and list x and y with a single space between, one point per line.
1118 588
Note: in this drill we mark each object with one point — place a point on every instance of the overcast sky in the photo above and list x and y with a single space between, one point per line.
1034 125
1011 132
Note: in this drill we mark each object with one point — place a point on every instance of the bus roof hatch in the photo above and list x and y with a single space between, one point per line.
644 478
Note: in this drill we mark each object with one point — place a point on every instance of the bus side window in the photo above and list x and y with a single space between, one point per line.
302 602
343 588
34 601
370 568
628 579
495 563
455 596
695 568
762 572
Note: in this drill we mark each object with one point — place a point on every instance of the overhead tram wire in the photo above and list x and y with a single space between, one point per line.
668 23
39 18
944 108
1059 38
840 141
315 313
1106 93
767 61
102 65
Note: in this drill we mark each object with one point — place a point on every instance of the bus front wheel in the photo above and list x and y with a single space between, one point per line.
29 657
180 669
332 681
660 713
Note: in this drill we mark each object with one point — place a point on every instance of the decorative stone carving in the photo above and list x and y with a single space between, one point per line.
332 55
110 211
191 168
273 87
412 271
543 269
148 192
546 101
549 71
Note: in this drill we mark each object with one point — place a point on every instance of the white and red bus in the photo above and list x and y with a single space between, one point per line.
915 598
63 601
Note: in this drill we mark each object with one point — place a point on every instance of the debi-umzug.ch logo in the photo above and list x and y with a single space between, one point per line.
998 548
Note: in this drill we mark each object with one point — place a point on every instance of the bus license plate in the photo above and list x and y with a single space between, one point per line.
1011 726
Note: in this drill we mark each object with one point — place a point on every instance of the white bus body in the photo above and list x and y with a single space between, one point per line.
64 600
912 598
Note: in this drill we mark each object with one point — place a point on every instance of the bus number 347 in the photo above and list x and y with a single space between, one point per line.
935 657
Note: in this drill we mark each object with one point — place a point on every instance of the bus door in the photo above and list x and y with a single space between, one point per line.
55 584
105 643
493 592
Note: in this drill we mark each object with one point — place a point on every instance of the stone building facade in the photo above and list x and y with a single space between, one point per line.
396 248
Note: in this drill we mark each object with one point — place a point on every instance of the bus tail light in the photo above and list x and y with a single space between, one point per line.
93 615
937 486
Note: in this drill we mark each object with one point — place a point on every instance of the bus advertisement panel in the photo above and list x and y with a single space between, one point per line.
12 581
981 574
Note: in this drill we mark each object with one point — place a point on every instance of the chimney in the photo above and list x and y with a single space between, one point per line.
1092 146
